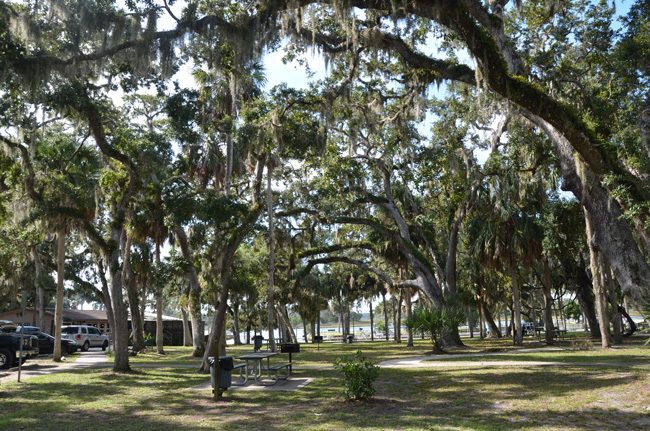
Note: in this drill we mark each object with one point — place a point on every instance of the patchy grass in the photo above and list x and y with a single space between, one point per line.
173 355
311 355
625 357
567 397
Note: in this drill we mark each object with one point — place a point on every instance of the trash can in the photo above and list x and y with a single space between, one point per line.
350 339
257 342
226 365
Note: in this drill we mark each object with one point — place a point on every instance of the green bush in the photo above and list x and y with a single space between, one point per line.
149 339
359 373
435 321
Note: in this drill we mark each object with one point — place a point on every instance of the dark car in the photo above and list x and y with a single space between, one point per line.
10 349
46 344
26 329
13 327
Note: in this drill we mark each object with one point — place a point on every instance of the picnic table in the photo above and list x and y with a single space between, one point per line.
254 363
257 360
555 332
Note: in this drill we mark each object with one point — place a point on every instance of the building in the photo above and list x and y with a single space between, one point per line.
172 326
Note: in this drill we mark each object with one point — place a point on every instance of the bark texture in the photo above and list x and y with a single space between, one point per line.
60 280
194 302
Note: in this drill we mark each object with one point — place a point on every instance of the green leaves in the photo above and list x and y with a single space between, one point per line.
435 321
359 374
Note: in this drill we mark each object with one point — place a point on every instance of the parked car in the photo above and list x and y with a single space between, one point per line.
32 330
85 336
46 344
16 327
10 352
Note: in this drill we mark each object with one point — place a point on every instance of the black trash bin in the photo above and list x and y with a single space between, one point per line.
226 365
257 342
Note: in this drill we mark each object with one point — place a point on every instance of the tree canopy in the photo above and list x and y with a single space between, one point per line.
476 154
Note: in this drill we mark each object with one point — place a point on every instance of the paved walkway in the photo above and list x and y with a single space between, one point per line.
439 361
290 384
90 359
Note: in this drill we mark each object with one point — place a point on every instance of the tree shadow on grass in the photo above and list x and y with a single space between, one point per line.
406 399
447 400
491 400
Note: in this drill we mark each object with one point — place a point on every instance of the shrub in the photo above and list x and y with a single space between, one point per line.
435 321
149 339
359 374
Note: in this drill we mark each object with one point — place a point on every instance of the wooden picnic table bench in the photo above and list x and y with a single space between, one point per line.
278 369
555 332
254 365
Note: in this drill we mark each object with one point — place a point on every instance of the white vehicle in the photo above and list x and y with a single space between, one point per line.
85 336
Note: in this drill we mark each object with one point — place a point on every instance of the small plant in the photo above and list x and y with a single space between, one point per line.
435 321
360 374
149 340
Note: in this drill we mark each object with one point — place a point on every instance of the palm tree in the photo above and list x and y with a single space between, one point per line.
502 236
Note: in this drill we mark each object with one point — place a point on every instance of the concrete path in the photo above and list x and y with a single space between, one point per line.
439 361
290 384
435 360
39 367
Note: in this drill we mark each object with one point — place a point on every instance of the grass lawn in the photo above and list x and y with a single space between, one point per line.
567 397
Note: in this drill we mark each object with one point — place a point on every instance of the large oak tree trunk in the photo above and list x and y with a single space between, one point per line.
398 326
40 290
289 334
611 233
617 323
372 321
58 307
598 281
120 328
495 332
269 300
219 321
481 319
516 303
107 300
409 313
235 324
160 335
394 307
586 299
385 304
547 286
304 329
194 303
470 323
187 335
137 325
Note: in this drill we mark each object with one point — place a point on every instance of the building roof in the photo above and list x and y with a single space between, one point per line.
85 315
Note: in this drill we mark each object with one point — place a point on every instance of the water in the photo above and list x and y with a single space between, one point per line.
361 332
